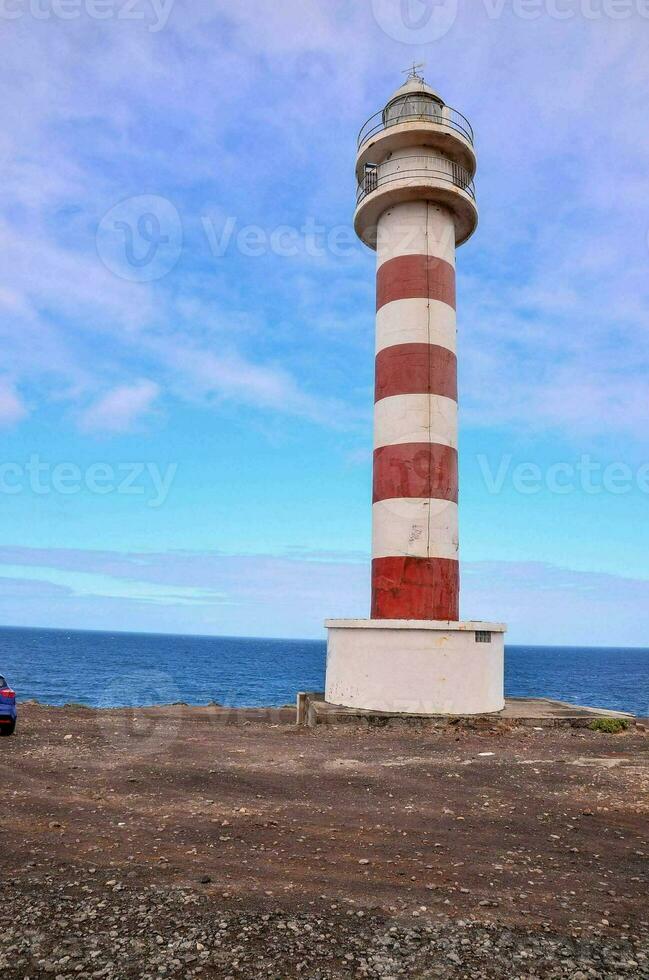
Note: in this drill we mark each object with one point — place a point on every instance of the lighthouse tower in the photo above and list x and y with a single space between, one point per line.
415 204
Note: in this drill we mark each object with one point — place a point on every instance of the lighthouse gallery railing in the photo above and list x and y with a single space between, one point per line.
453 173
445 118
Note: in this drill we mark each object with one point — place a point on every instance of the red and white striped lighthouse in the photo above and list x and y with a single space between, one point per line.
415 204
415 571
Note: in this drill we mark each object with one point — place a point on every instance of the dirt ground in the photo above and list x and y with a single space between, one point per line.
184 842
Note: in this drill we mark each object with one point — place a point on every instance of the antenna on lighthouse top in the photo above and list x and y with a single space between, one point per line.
413 72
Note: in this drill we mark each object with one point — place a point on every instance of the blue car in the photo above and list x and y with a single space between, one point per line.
8 711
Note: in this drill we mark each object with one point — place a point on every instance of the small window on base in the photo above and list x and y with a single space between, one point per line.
482 636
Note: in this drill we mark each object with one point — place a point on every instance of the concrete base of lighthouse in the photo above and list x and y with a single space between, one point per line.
415 667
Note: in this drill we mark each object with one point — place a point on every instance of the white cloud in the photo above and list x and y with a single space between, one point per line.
554 330
12 408
120 409
266 595
197 372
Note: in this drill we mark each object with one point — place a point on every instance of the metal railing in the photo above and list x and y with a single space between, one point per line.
453 174
446 118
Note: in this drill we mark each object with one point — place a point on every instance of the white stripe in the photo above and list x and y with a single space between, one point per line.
415 528
416 321
416 228
415 418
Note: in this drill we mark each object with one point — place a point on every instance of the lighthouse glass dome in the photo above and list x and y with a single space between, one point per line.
420 106
414 100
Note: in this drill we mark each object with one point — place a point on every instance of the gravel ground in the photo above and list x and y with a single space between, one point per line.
185 842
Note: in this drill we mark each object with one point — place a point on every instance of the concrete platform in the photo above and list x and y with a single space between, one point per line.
313 710
416 667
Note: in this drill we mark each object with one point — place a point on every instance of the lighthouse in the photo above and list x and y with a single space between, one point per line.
415 205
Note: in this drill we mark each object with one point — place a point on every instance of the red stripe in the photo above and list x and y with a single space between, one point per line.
415 469
415 277
415 588
415 369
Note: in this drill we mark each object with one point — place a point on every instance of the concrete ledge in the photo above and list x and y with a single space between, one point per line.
518 713
415 624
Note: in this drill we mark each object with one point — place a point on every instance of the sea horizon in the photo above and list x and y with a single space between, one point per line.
294 639
102 668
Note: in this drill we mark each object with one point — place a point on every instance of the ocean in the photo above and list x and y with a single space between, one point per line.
120 669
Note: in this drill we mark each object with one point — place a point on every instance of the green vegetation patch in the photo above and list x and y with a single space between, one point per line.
612 726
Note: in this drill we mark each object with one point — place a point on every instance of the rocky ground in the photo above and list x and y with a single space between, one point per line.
191 843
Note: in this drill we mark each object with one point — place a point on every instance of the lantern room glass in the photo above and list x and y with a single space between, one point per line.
414 105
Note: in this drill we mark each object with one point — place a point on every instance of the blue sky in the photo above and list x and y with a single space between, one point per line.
186 424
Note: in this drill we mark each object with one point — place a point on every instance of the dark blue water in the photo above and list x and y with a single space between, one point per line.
107 669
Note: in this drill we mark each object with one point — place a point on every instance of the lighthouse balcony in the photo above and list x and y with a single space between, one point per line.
412 178
416 111
429 124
